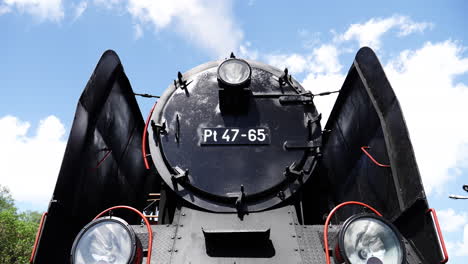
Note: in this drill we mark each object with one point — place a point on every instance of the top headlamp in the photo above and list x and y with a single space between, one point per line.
369 239
234 72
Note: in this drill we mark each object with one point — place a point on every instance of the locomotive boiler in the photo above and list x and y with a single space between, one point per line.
232 166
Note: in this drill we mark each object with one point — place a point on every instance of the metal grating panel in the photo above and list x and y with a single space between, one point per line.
163 240
310 240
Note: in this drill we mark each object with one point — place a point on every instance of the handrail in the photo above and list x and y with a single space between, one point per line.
439 235
363 148
143 141
38 235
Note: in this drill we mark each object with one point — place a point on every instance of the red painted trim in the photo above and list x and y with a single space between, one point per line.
439 233
103 159
372 158
38 235
143 141
148 226
327 222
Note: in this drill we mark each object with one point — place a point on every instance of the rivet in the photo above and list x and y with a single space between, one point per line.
293 236
296 249
179 237
175 250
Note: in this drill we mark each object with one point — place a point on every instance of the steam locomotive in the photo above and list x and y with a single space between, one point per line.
232 166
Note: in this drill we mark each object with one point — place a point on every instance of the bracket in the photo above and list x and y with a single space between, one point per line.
300 145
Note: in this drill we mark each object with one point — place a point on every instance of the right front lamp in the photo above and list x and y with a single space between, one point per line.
369 239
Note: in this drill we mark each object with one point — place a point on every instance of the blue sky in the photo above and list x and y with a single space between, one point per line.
49 48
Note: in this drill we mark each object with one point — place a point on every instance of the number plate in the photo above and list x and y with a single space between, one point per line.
235 136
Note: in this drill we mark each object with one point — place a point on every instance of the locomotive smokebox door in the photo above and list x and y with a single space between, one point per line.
235 135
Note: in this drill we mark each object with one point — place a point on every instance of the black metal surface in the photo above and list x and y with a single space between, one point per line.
108 123
418 228
367 113
170 240
281 247
216 173
242 202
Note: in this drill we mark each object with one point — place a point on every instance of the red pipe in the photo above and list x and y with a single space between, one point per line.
327 222
38 234
439 233
143 141
372 158
103 159
148 226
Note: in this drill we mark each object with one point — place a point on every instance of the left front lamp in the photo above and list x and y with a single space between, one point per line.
107 240
369 239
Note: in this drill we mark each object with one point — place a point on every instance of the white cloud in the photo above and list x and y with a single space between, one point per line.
294 62
459 248
109 4
324 82
370 32
323 73
247 52
309 39
434 105
209 24
450 221
4 9
29 165
79 9
138 31
51 10
325 59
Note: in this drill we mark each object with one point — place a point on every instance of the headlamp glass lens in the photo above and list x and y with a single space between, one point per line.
234 71
371 241
104 243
